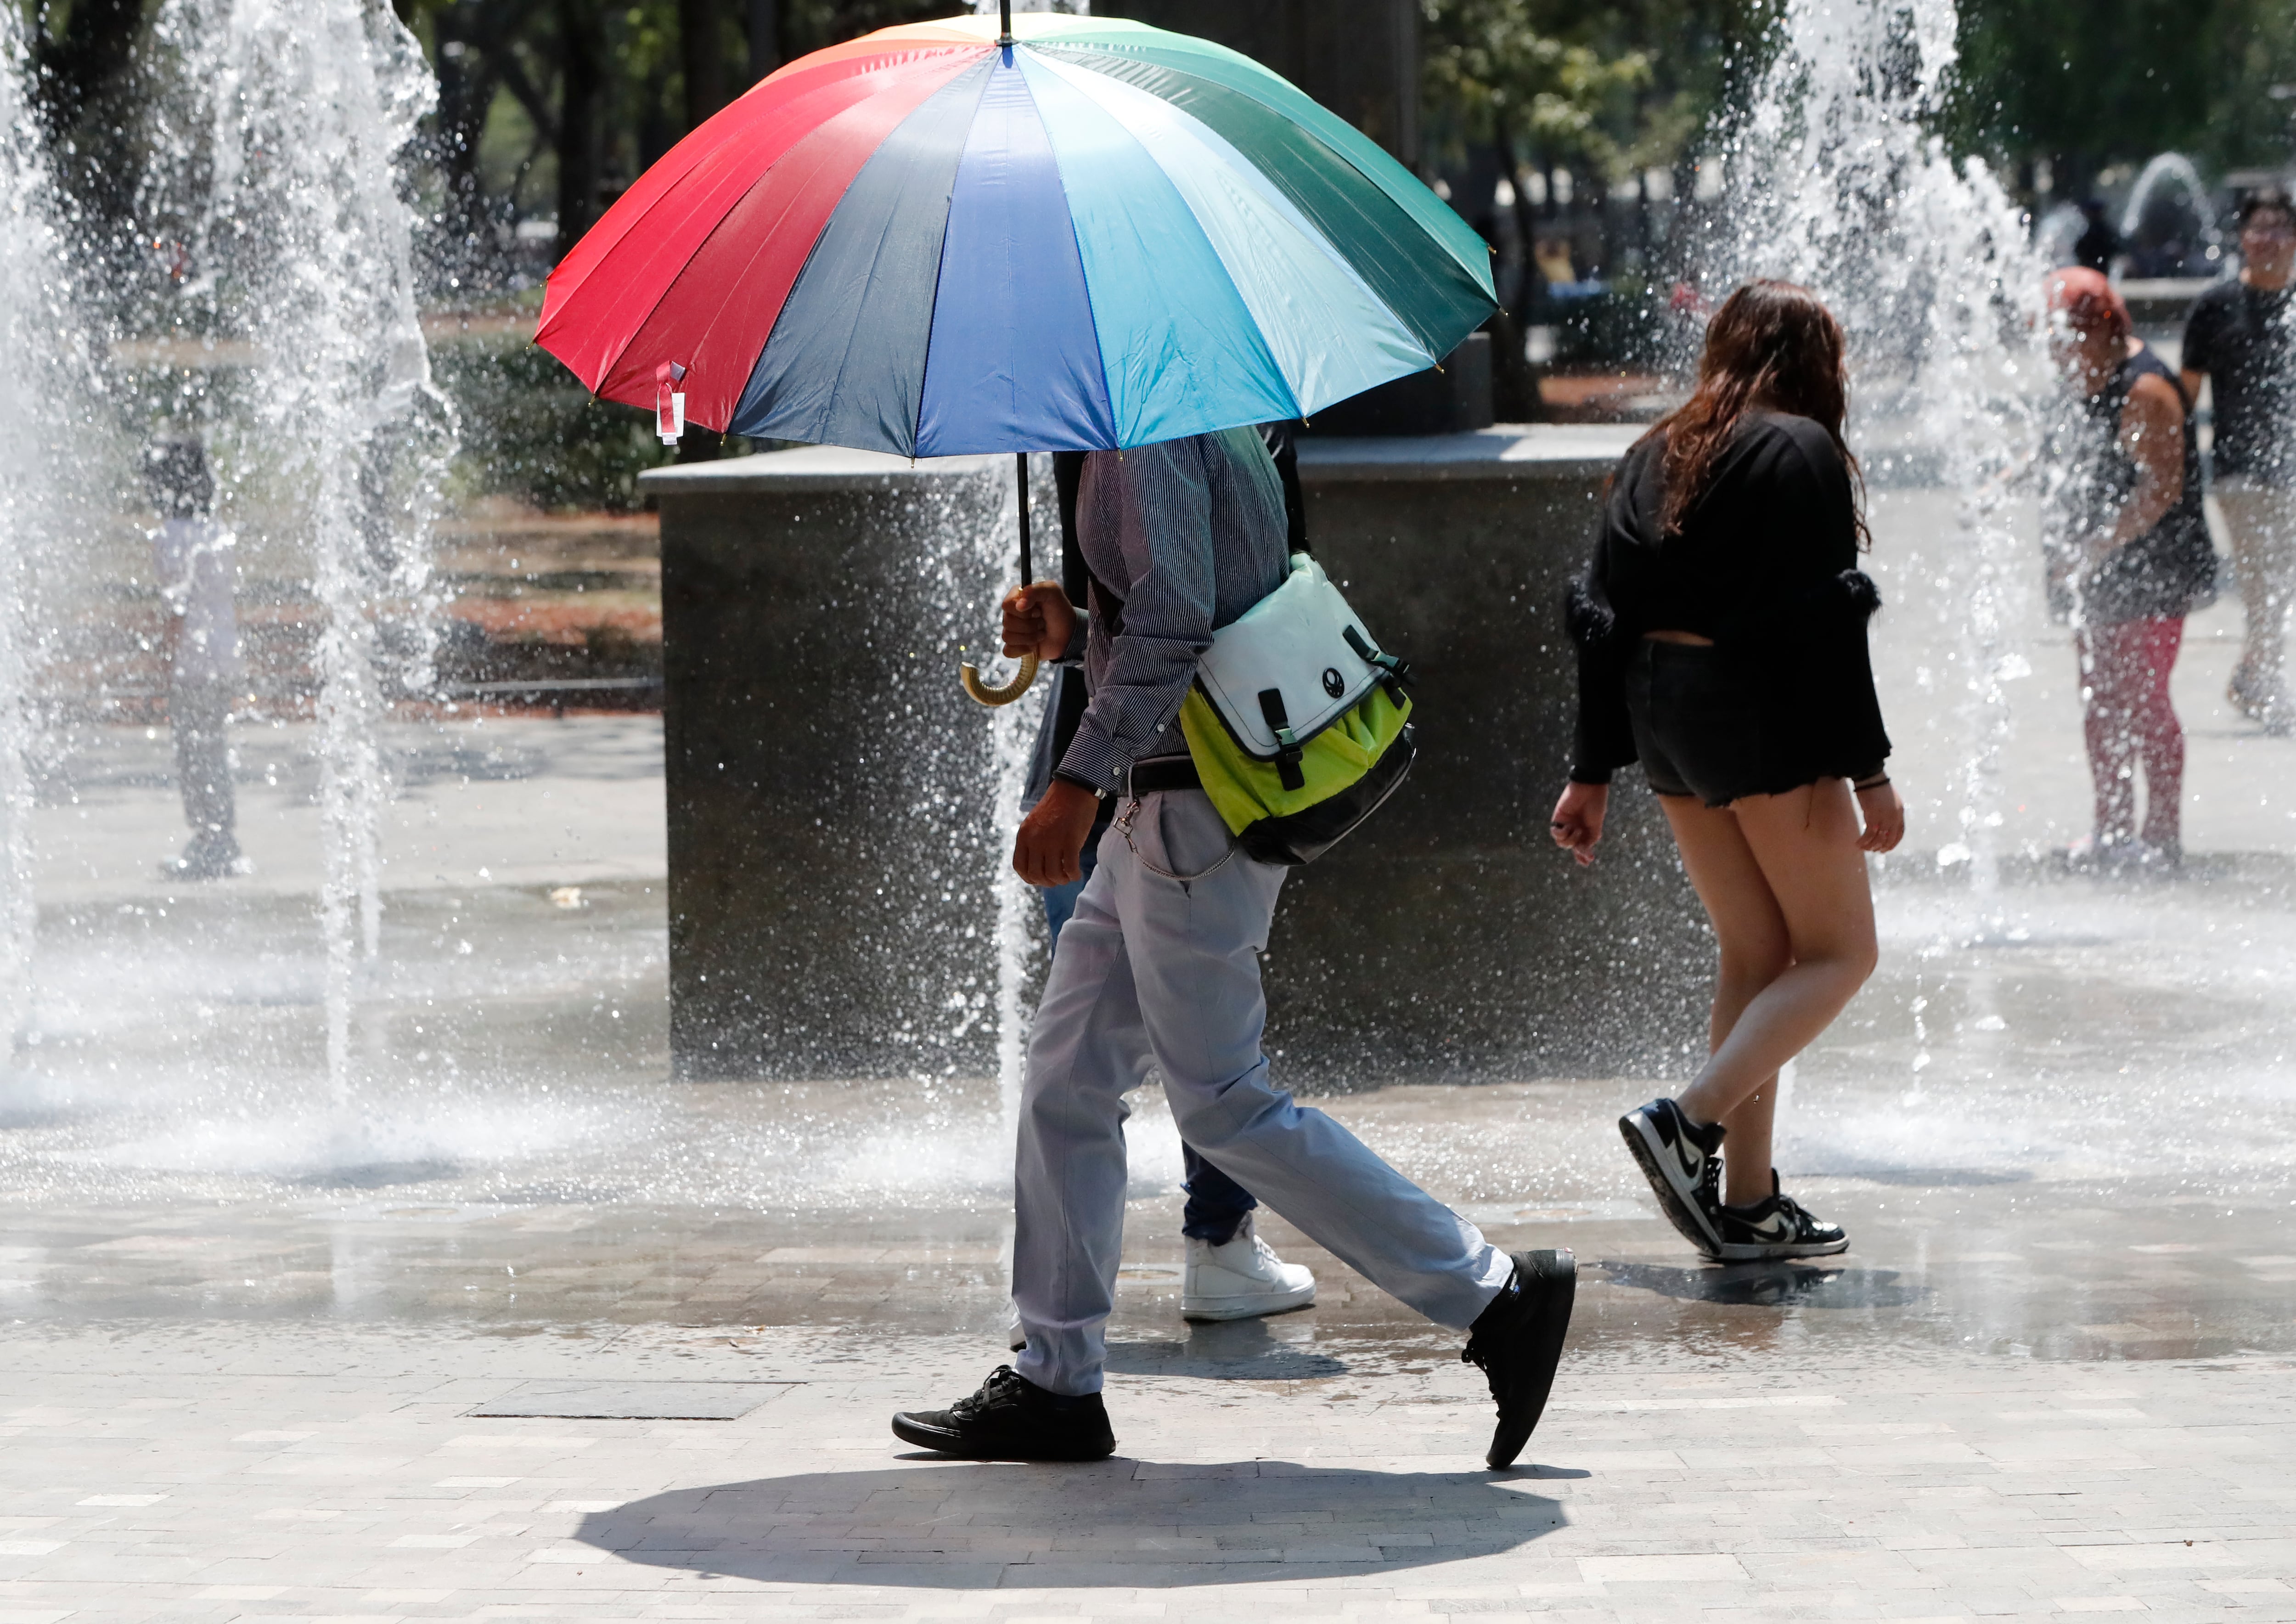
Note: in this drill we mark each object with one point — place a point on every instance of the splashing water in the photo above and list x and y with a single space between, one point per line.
1836 182
284 162
968 535
1013 731
2172 169
34 418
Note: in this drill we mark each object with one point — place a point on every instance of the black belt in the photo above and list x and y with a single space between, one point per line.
1159 773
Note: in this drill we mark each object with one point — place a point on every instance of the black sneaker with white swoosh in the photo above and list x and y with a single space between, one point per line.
1673 1151
1776 1226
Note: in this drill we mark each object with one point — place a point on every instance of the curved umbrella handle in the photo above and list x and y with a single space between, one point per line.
1004 695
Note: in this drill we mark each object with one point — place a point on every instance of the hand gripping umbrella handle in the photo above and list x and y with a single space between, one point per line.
1006 693
1002 693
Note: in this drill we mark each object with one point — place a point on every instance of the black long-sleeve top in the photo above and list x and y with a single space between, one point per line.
1765 564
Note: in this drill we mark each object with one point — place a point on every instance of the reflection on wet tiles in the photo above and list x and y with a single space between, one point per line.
378 1174
1231 1350
566 1195
1940 1177
1770 1286
2007 1131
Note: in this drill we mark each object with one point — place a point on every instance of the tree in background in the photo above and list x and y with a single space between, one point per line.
1606 93
553 107
1494 76
84 61
2085 84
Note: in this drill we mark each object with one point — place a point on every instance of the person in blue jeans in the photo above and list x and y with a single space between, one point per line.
1231 1273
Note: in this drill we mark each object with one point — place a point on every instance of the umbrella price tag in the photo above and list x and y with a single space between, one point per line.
669 402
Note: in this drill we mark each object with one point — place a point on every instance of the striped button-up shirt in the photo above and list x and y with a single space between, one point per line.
1187 535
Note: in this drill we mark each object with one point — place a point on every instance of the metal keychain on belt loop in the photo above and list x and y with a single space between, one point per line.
1124 827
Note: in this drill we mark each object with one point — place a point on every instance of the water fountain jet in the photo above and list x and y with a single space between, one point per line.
286 160
2176 169
36 397
1837 182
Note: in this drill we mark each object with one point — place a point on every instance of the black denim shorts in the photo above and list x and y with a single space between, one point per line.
1697 726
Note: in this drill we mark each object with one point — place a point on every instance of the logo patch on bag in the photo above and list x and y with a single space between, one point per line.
1334 683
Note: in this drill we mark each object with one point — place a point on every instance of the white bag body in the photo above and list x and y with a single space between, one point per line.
1294 643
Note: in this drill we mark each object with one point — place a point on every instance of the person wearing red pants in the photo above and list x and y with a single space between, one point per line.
2129 558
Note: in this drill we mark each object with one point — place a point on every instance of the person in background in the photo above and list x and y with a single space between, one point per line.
1231 1273
2240 340
1552 255
1721 634
2131 548
2098 241
192 556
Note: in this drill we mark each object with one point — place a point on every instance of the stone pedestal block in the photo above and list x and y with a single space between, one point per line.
836 847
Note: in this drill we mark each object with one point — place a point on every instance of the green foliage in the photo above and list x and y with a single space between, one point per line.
2100 81
1601 89
1700 54
1625 325
1491 70
530 431
808 25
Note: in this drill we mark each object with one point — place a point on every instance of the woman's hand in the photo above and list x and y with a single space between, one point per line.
1039 620
1884 815
1578 822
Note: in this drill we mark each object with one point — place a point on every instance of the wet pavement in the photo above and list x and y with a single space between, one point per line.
523 1329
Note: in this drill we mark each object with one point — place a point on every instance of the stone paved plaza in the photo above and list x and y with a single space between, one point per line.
322 1470
523 1330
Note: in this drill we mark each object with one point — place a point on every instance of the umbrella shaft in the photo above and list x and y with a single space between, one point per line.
1027 573
1005 22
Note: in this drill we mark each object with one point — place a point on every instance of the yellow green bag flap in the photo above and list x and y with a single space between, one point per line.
1246 791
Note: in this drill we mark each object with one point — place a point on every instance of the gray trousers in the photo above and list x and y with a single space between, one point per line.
199 714
1155 973
2260 524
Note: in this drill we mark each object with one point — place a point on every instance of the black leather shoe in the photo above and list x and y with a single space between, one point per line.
1012 1419
1517 1343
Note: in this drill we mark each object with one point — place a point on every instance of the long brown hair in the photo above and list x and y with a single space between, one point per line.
1771 343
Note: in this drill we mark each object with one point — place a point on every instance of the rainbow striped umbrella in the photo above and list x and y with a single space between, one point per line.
1088 233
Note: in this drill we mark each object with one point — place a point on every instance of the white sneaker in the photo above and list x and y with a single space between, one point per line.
1241 1280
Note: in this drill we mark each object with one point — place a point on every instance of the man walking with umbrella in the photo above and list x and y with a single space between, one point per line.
1053 233
1230 1272
1159 968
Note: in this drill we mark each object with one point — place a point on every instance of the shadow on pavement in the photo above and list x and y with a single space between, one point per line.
1771 1286
1114 1522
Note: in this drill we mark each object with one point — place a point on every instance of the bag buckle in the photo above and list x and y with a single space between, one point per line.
1289 750
1395 673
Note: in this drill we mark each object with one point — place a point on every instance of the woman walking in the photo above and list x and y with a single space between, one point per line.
1721 631
2127 535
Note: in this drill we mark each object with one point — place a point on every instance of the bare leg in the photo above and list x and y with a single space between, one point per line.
1804 845
1755 950
1746 1154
